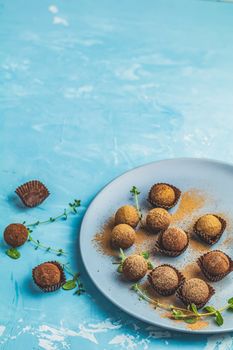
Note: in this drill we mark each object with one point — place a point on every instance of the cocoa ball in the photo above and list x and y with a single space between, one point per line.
158 219
16 235
47 275
209 225
174 239
164 278
122 236
216 263
127 215
162 195
195 291
134 267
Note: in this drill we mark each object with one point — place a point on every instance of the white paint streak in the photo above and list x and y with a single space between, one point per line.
128 74
129 342
46 344
53 9
82 91
60 20
2 330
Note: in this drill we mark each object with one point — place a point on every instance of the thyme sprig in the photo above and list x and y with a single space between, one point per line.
37 244
189 315
74 282
40 245
71 209
135 193
121 259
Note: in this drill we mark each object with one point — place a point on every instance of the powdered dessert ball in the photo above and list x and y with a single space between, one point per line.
195 291
164 279
48 276
122 236
158 219
216 263
209 225
174 239
134 267
127 215
16 235
163 195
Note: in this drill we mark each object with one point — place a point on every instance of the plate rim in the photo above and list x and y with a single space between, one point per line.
105 294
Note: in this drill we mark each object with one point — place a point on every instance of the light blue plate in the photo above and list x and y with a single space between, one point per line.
213 177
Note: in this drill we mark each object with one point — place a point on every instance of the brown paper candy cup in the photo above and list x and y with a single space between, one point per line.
170 291
177 197
54 287
214 278
32 193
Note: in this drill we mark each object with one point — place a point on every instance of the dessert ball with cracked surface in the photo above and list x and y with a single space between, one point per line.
162 195
164 279
15 235
209 225
49 276
174 239
195 291
134 267
127 215
122 236
216 263
158 219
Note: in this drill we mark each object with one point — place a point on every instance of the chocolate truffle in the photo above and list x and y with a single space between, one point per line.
16 235
209 228
127 215
174 239
123 236
163 195
49 276
195 291
158 219
165 279
134 267
215 265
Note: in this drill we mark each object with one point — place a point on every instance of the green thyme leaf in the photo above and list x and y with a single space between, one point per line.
13 253
145 255
150 265
178 314
210 309
218 318
194 308
70 284
230 301
191 320
119 269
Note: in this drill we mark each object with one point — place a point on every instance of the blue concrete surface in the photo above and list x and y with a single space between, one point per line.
88 90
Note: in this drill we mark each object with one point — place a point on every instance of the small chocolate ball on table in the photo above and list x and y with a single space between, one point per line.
15 235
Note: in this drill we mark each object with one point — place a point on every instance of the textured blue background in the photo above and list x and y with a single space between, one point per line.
88 90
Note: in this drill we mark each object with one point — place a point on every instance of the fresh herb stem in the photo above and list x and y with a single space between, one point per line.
72 209
135 192
189 316
38 245
76 280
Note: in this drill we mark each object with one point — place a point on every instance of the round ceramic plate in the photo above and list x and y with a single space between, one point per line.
212 177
